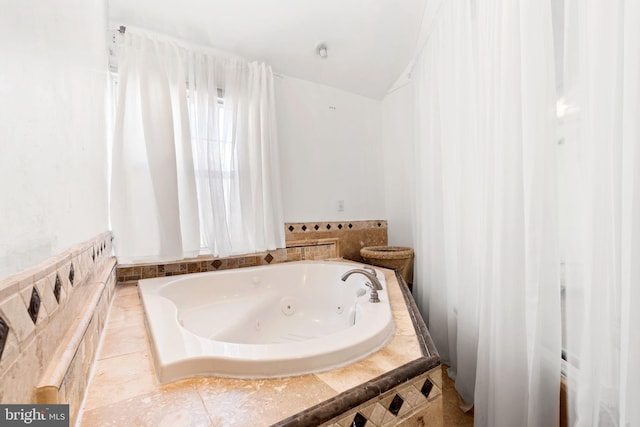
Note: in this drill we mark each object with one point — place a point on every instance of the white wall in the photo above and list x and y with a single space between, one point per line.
330 150
53 169
397 134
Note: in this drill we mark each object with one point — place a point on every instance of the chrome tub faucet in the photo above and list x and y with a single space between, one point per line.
373 283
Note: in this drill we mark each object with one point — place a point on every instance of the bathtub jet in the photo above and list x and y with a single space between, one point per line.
261 322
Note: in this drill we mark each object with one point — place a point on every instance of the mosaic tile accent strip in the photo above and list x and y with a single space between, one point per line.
293 227
305 241
4 334
313 249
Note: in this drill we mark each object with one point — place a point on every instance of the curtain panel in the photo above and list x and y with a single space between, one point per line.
602 85
487 251
195 154
232 111
154 209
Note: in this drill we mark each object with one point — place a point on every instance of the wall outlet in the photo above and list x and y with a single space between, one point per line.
340 205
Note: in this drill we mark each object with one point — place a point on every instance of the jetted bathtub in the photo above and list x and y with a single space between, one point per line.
268 321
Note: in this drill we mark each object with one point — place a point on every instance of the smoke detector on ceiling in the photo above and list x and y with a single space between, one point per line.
321 50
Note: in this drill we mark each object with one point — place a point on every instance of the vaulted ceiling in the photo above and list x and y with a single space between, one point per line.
369 42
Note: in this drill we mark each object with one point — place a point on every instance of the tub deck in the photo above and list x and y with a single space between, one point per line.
124 389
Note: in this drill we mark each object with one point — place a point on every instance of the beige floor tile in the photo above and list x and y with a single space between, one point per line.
127 300
357 373
453 415
403 322
402 349
178 405
123 340
119 378
131 316
232 402
126 289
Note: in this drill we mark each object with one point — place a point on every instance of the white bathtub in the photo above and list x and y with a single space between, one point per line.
269 321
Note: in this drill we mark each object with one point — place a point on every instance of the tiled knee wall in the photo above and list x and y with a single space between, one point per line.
37 309
351 235
315 250
416 402
304 241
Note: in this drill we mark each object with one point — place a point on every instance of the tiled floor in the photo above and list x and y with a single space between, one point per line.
452 414
124 389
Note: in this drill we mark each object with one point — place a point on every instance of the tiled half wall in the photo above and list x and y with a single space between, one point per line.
304 241
41 312
351 235
416 402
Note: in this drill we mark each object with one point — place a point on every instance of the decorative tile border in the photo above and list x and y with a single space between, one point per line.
310 227
317 249
36 308
396 405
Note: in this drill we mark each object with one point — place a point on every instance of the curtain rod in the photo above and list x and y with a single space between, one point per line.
123 28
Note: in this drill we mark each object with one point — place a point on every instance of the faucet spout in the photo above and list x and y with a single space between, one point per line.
374 282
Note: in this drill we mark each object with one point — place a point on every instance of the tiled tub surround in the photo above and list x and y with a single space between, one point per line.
304 241
125 390
52 316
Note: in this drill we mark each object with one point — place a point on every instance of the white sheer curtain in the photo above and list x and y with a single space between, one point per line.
154 209
486 252
232 113
195 154
602 82
448 189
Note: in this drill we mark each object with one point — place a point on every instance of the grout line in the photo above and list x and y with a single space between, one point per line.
204 405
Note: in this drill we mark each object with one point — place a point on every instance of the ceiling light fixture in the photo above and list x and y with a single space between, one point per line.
321 50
